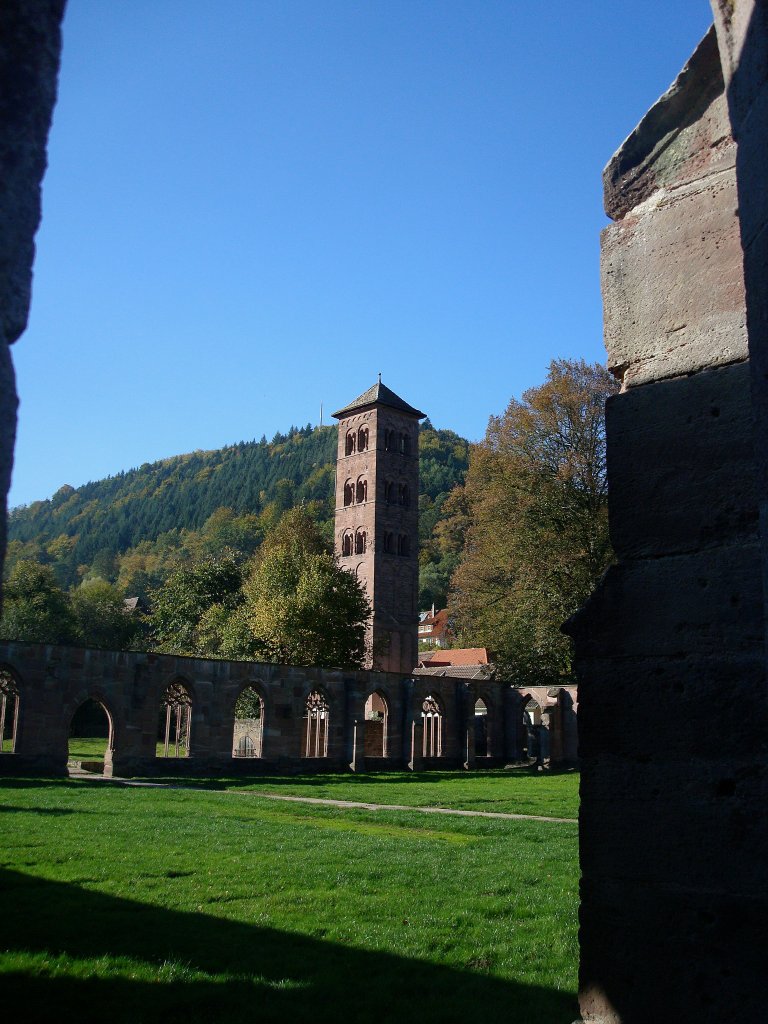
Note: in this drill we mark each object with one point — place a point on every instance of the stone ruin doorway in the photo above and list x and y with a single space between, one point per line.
530 730
376 725
481 728
9 711
248 732
91 738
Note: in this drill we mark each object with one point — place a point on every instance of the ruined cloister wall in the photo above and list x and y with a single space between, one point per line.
53 682
670 650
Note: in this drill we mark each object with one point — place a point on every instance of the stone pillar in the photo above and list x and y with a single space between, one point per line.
30 45
357 763
416 762
469 729
672 842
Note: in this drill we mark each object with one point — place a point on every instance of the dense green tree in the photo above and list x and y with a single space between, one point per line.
180 605
101 616
535 523
35 608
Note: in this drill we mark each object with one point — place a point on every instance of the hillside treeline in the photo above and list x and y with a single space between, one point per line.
135 528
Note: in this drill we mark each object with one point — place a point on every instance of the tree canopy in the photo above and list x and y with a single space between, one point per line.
533 523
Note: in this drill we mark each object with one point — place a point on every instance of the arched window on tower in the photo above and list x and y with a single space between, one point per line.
403 495
362 490
360 539
389 492
349 446
349 493
403 545
362 439
389 440
347 543
405 444
389 543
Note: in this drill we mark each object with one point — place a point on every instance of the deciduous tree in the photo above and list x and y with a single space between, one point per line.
537 539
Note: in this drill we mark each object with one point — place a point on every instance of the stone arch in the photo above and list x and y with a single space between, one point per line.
175 720
377 724
91 719
362 439
349 493
361 494
10 700
349 443
361 540
317 720
248 722
347 543
432 716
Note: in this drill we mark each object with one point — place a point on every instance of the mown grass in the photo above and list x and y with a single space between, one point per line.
147 905
517 791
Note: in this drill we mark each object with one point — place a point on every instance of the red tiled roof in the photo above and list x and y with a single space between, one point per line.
460 656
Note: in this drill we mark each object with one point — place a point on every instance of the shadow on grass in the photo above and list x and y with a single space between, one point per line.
234 972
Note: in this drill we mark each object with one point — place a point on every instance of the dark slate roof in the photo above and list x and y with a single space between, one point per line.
457 671
379 394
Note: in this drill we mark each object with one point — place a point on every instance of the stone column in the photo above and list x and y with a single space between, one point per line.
416 762
357 763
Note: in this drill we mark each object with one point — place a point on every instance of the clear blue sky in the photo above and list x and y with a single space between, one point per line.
252 207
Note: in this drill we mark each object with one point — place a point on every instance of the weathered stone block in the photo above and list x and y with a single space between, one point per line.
681 464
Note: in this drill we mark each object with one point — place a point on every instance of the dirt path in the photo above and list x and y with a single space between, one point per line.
355 804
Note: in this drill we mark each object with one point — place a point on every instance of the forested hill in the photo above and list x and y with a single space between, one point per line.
157 510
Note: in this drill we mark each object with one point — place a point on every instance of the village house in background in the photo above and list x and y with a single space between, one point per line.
434 630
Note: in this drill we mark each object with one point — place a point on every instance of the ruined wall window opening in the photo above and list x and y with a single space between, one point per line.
530 728
90 724
349 493
349 444
403 545
362 490
360 542
376 725
248 733
481 728
404 495
362 439
175 724
347 543
9 712
316 721
432 720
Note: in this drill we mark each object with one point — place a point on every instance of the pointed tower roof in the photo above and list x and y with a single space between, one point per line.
379 394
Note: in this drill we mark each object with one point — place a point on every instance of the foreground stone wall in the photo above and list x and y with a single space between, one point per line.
53 682
672 828
30 45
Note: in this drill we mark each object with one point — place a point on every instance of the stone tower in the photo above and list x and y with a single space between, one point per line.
377 518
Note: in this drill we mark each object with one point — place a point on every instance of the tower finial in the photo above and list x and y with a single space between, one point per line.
379 378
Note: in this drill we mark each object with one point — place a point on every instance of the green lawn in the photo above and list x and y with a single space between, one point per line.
145 905
517 791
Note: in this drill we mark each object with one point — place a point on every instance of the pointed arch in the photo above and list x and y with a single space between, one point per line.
175 720
248 731
432 720
317 718
377 724
91 726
